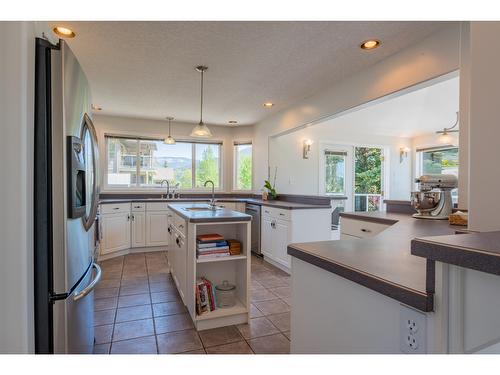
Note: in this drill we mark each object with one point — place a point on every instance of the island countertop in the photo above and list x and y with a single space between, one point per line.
384 262
195 213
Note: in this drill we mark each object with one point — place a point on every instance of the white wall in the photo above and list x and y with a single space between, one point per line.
434 56
17 41
484 128
159 129
301 176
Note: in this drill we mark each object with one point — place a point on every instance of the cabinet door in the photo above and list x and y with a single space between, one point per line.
138 229
115 232
157 228
266 237
280 243
182 267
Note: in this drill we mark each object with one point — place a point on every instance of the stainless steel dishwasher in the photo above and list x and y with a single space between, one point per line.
254 211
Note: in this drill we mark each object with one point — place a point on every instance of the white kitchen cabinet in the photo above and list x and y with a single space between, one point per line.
351 228
115 232
281 227
156 228
138 228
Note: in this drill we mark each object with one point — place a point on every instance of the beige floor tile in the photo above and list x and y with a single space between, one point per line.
161 287
105 303
159 278
134 289
240 347
272 307
102 334
141 345
257 327
288 335
134 300
168 308
220 336
281 321
109 275
168 296
106 292
255 285
282 292
262 295
103 317
254 311
288 301
274 344
131 330
178 342
133 313
273 281
101 348
108 283
172 323
198 351
137 281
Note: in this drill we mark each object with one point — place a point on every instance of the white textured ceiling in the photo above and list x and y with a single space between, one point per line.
416 113
146 69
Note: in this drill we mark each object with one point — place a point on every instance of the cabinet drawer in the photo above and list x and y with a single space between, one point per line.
114 208
276 213
138 206
360 228
180 224
156 206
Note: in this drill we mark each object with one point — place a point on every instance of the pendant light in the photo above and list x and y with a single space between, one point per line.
444 135
169 140
201 130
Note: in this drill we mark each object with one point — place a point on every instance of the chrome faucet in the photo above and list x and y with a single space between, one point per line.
212 202
168 188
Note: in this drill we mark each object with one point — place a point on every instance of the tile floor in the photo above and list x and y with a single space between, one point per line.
138 311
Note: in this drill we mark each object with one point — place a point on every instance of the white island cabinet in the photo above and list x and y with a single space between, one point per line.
186 268
280 227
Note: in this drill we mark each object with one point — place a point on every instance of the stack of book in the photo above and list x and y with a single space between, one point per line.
211 246
205 296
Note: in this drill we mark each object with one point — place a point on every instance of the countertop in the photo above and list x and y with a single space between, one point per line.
207 216
384 262
477 251
274 203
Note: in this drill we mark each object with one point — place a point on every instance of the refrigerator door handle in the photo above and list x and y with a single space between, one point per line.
92 285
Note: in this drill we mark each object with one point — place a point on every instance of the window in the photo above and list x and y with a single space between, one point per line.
368 170
144 163
335 164
439 160
242 166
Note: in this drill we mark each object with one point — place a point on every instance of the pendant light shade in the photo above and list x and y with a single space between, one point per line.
169 140
201 130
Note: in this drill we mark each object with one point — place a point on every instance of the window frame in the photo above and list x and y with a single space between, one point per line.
235 166
154 188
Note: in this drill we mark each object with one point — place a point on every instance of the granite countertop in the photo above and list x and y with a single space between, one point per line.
205 216
477 251
384 262
275 203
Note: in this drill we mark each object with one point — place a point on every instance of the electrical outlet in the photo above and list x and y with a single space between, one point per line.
412 330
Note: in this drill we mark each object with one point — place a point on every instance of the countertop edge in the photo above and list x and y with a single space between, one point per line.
419 300
466 257
197 220
380 220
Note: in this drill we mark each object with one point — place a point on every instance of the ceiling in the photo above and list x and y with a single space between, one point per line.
146 69
416 113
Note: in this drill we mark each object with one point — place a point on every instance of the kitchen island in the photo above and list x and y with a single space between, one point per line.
355 295
189 220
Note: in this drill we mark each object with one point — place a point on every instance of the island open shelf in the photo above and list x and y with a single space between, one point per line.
235 269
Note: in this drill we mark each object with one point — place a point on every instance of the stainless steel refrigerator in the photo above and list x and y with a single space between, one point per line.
65 203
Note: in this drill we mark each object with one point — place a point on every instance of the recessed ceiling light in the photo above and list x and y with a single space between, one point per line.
370 44
268 104
64 32
233 122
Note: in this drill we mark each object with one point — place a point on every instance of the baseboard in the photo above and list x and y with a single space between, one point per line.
278 265
131 250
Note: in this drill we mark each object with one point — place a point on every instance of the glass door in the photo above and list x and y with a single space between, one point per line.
368 178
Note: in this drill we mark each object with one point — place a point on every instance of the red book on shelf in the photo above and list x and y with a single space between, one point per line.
209 237
210 295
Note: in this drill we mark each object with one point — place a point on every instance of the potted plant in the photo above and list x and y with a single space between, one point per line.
271 190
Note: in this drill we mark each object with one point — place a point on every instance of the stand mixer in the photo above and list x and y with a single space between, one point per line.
433 201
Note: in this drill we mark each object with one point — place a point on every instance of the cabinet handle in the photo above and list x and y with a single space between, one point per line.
181 226
116 208
281 214
366 230
128 217
133 217
137 206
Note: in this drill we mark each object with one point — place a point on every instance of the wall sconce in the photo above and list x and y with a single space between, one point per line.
306 148
403 153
